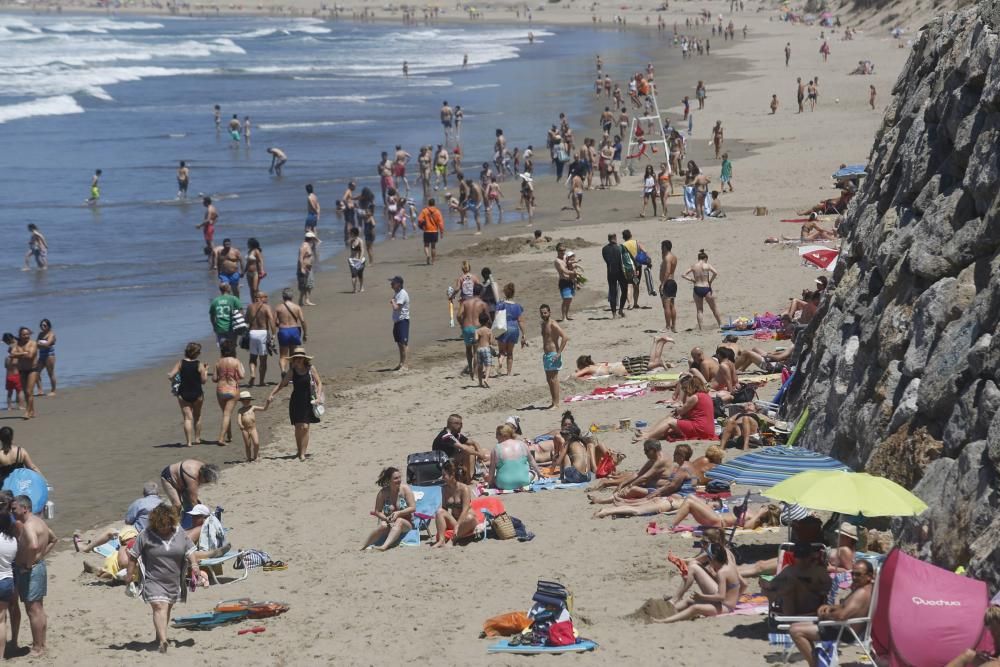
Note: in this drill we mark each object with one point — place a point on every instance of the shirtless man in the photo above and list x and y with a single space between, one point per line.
441 167
234 130
708 367
468 316
25 353
668 286
291 322
607 120
230 263
806 308
567 281
350 211
304 268
701 182
800 94
637 485
576 194
312 209
475 200
399 169
554 341
183 177
34 543
278 160
207 228
262 323
447 118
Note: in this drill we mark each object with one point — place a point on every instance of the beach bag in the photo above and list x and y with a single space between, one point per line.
356 263
606 466
503 527
500 320
561 634
250 559
506 625
825 654
643 258
244 341
628 266
318 400
744 394
237 323
175 384
424 468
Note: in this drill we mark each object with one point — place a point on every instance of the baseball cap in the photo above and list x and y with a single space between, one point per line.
396 279
199 510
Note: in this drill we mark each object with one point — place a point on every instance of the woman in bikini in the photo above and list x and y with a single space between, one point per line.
394 508
466 283
493 195
227 375
700 511
182 481
666 188
456 512
702 275
715 597
254 270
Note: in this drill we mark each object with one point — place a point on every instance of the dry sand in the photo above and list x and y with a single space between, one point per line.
411 604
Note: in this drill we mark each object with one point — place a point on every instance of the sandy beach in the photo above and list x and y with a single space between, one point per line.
412 604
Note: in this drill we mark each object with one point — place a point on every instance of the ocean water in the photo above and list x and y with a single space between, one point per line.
133 96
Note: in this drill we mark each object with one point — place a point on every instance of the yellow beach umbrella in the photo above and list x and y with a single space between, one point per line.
847 493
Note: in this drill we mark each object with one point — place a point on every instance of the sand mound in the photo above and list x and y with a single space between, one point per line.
653 608
513 245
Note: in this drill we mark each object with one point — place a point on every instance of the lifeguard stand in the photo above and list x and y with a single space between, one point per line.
637 150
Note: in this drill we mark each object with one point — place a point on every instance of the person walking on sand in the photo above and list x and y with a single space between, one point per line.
95 188
717 138
312 209
726 177
304 268
469 310
800 93
291 327
30 573
871 96
484 350
246 415
38 248
617 283
431 222
788 52
668 285
515 329
253 268
700 93
702 275
207 227
229 261
356 261
25 353
400 303
227 375
187 377
261 320
183 179
567 281
307 394
278 160
774 104
554 341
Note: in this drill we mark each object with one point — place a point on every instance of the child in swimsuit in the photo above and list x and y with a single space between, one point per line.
484 350
248 425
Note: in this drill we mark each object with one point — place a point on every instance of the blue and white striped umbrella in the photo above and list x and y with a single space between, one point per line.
771 465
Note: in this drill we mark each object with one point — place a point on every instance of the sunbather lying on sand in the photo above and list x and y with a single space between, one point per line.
586 367
637 497
743 426
705 515
830 206
811 232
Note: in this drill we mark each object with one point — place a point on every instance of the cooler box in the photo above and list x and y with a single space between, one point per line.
424 469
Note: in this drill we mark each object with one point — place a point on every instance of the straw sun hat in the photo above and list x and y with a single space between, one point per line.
299 353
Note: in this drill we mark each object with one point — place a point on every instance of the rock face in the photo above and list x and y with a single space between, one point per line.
901 366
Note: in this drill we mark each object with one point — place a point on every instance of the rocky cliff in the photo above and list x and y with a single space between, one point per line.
901 367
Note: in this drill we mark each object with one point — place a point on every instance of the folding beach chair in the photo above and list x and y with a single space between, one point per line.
863 640
428 501
211 564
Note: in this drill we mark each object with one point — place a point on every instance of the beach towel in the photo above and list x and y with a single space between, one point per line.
503 646
682 219
689 198
539 485
654 377
750 604
616 391
428 501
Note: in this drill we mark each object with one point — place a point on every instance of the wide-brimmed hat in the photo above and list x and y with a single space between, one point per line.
526 176
311 235
245 396
199 510
848 530
299 353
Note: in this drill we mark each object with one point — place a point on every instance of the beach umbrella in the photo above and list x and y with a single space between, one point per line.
27 482
850 171
847 493
771 465
820 256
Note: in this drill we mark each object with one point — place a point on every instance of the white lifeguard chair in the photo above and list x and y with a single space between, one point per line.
637 150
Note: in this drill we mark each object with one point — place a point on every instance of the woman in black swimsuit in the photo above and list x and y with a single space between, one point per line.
12 458
307 390
182 481
190 395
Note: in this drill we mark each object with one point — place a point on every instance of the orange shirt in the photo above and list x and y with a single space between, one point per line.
430 220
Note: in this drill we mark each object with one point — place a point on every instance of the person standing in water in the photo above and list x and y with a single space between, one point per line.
183 177
278 160
406 69
234 129
207 227
312 209
447 117
217 113
304 268
246 130
702 275
95 188
38 248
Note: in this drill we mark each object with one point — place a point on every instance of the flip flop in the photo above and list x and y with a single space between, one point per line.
274 565
255 630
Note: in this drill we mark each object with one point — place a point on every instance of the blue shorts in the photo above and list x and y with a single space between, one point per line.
32 585
6 588
469 335
512 336
567 292
289 336
551 361
311 221
232 278
401 332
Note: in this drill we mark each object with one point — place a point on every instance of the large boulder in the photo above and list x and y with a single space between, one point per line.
901 365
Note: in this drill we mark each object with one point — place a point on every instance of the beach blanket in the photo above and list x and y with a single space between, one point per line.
540 485
682 219
654 377
750 604
616 391
503 646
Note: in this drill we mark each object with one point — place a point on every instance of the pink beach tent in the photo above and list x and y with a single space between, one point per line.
927 615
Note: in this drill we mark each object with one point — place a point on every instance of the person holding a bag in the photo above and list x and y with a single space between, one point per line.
512 326
306 403
221 313
640 258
